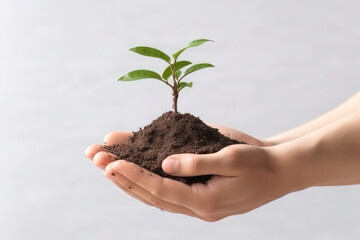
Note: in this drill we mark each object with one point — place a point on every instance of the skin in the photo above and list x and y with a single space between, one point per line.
323 152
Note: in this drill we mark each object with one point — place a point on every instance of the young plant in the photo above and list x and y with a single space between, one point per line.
172 70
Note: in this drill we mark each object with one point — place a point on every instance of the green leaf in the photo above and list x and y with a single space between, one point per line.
140 74
179 65
197 67
151 52
177 74
184 84
191 44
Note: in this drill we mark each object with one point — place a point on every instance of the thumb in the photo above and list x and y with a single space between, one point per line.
196 164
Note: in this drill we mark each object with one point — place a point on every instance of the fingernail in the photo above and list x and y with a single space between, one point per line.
170 165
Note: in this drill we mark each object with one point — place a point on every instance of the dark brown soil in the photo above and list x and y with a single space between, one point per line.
169 134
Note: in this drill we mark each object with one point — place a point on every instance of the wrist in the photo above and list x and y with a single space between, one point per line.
293 163
326 157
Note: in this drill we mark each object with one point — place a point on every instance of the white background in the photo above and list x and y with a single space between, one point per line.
278 65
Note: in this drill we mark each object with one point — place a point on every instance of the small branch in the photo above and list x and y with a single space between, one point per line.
167 83
182 78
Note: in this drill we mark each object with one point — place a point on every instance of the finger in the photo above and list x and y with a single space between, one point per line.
114 178
142 193
117 138
226 131
102 159
237 135
162 188
92 150
222 163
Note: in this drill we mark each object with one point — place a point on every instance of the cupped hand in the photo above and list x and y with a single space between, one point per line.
245 178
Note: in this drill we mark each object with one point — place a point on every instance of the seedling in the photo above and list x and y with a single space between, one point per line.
172 70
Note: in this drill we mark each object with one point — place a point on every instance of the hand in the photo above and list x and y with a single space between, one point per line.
247 177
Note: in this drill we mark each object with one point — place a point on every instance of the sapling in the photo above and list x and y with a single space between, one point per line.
172 70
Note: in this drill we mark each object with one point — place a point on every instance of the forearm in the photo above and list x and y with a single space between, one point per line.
348 107
329 156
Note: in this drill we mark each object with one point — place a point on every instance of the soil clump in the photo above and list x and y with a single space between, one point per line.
169 134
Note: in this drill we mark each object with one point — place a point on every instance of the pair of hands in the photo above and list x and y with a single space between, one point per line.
246 177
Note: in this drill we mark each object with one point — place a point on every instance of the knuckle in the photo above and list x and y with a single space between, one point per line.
193 164
232 152
157 189
233 156
158 192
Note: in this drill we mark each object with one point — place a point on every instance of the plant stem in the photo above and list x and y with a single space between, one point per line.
175 97
175 88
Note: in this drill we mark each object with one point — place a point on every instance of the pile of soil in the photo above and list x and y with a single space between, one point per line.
171 133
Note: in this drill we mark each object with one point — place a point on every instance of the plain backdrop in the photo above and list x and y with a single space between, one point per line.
278 65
